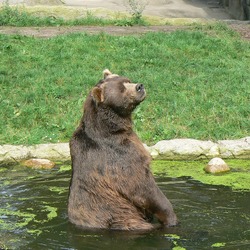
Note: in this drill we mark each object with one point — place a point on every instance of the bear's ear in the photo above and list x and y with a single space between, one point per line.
106 73
97 95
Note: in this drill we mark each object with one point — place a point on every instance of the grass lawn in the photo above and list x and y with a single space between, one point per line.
198 83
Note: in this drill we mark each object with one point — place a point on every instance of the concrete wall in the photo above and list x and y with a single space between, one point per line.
238 9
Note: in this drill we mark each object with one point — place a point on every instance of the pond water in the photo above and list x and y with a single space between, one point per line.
33 215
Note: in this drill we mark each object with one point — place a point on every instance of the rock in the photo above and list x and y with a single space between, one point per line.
239 149
153 152
12 154
216 165
185 149
52 151
177 149
39 163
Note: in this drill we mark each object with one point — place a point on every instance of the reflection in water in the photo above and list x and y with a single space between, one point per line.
33 215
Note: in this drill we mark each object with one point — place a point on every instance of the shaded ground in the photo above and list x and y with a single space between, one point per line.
45 32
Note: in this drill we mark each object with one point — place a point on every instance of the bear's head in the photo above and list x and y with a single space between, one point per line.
118 93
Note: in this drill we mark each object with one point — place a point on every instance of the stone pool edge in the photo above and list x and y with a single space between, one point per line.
175 149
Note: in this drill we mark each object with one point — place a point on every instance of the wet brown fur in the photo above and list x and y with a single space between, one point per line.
112 186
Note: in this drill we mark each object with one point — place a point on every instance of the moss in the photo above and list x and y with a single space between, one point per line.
238 178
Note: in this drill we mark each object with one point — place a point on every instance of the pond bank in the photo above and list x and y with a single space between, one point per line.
238 178
176 149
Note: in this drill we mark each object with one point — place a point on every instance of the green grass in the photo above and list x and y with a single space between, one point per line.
198 83
20 16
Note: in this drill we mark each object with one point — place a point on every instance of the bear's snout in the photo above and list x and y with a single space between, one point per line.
139 87
141 92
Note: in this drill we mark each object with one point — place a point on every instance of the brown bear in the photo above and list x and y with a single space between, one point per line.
112 186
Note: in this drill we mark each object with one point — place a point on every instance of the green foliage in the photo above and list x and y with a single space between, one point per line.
134 20
197 83
13 16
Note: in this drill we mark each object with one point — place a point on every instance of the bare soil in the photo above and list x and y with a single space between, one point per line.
46 32
243 29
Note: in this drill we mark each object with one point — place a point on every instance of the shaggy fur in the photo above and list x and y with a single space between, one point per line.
112 186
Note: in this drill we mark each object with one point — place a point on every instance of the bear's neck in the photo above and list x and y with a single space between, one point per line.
104 122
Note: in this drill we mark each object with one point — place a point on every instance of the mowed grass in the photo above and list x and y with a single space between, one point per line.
198 83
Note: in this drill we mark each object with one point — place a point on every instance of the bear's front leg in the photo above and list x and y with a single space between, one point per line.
163 210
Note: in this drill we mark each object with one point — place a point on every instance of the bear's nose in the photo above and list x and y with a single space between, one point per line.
139 87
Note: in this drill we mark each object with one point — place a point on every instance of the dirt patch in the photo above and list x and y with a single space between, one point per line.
243 29
46 32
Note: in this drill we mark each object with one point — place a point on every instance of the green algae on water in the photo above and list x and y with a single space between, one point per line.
52 212
238 178
174 238
23 219
36 232
59 190
64 168
178 248
219 244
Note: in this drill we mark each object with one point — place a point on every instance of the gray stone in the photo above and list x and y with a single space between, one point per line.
185 149
12 154
53 151
216 165
153 152
235 148
176 149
